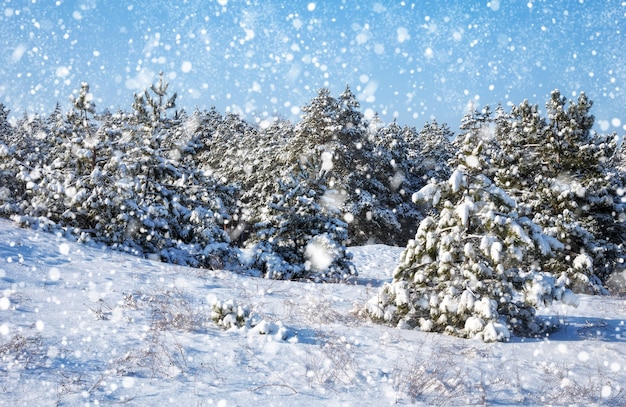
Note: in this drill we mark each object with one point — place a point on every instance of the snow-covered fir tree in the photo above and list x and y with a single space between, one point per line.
301 234
361 167
5 127
556 168
468 272
259 175
151 108
430 151
8 168
392 156
124 183
164 203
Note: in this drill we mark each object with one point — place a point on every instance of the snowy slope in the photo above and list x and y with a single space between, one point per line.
82 325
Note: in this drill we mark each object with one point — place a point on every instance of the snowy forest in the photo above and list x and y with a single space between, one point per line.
521 206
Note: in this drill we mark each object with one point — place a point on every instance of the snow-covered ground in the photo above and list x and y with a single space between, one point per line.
82 325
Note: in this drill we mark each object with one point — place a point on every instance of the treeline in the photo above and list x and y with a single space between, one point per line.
194 188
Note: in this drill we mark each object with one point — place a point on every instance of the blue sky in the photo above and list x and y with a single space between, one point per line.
414 60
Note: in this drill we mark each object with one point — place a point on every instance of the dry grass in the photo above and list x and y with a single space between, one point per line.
22 353
436 380
334 361
562 387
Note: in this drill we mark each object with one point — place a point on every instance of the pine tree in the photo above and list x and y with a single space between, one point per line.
82 147
143 192
301 235
149 108
569 130
616 171
9 191
366 177
476 147
260 174
519 135
5 127
465 272
556 169
430 151
392 159
40 170
350 118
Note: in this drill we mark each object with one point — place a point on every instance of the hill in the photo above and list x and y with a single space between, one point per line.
86 325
